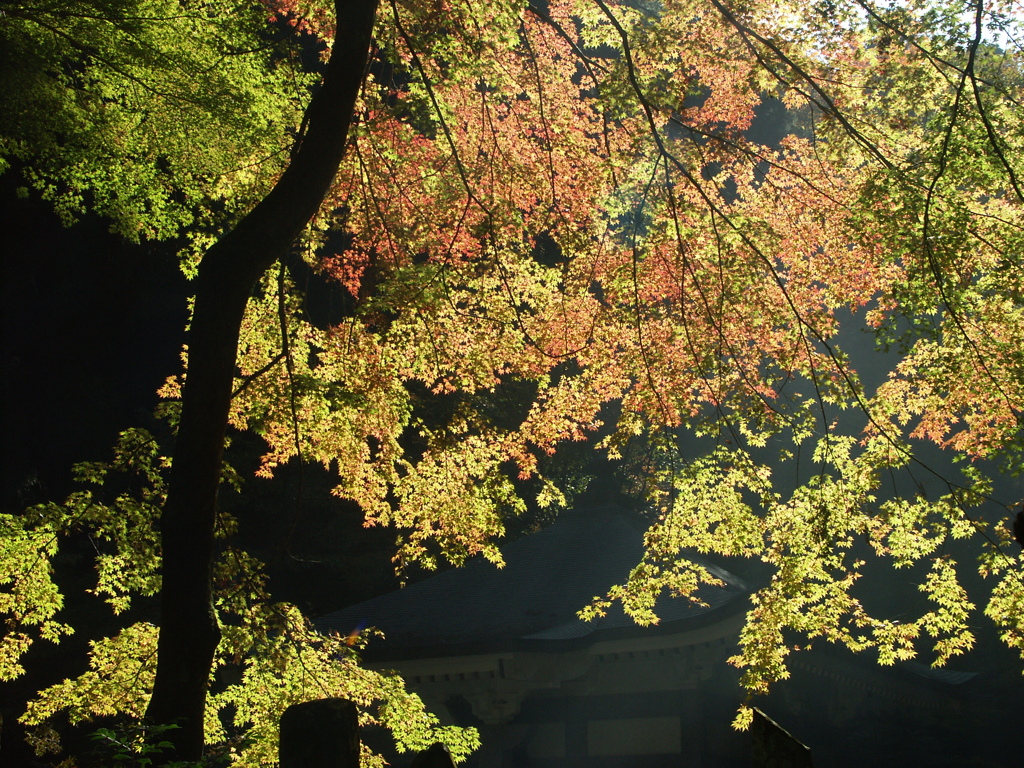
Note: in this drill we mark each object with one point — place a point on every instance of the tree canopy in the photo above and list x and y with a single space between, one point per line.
561 199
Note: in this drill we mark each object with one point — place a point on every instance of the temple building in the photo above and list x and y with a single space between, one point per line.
503 650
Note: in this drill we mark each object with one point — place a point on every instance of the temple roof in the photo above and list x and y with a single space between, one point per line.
548 577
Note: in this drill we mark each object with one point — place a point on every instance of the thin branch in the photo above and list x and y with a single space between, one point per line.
992 138
828 104
253 376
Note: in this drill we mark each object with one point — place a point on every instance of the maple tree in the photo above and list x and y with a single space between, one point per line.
703 282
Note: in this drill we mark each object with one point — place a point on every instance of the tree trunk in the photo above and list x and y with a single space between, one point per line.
189 630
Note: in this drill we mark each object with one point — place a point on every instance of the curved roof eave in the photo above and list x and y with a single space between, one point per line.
533 601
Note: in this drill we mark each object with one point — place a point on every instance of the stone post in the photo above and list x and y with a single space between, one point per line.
320 734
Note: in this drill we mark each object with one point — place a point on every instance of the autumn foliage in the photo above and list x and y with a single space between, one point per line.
567 195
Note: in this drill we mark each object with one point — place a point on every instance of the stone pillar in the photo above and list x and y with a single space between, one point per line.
320 734
693 728
576 732
492 746
496 706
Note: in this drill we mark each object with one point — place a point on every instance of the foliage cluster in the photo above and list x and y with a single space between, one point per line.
269 650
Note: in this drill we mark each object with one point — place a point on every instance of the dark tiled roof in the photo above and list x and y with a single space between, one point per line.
548 577
948 676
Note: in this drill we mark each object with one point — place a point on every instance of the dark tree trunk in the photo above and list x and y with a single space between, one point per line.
189 631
